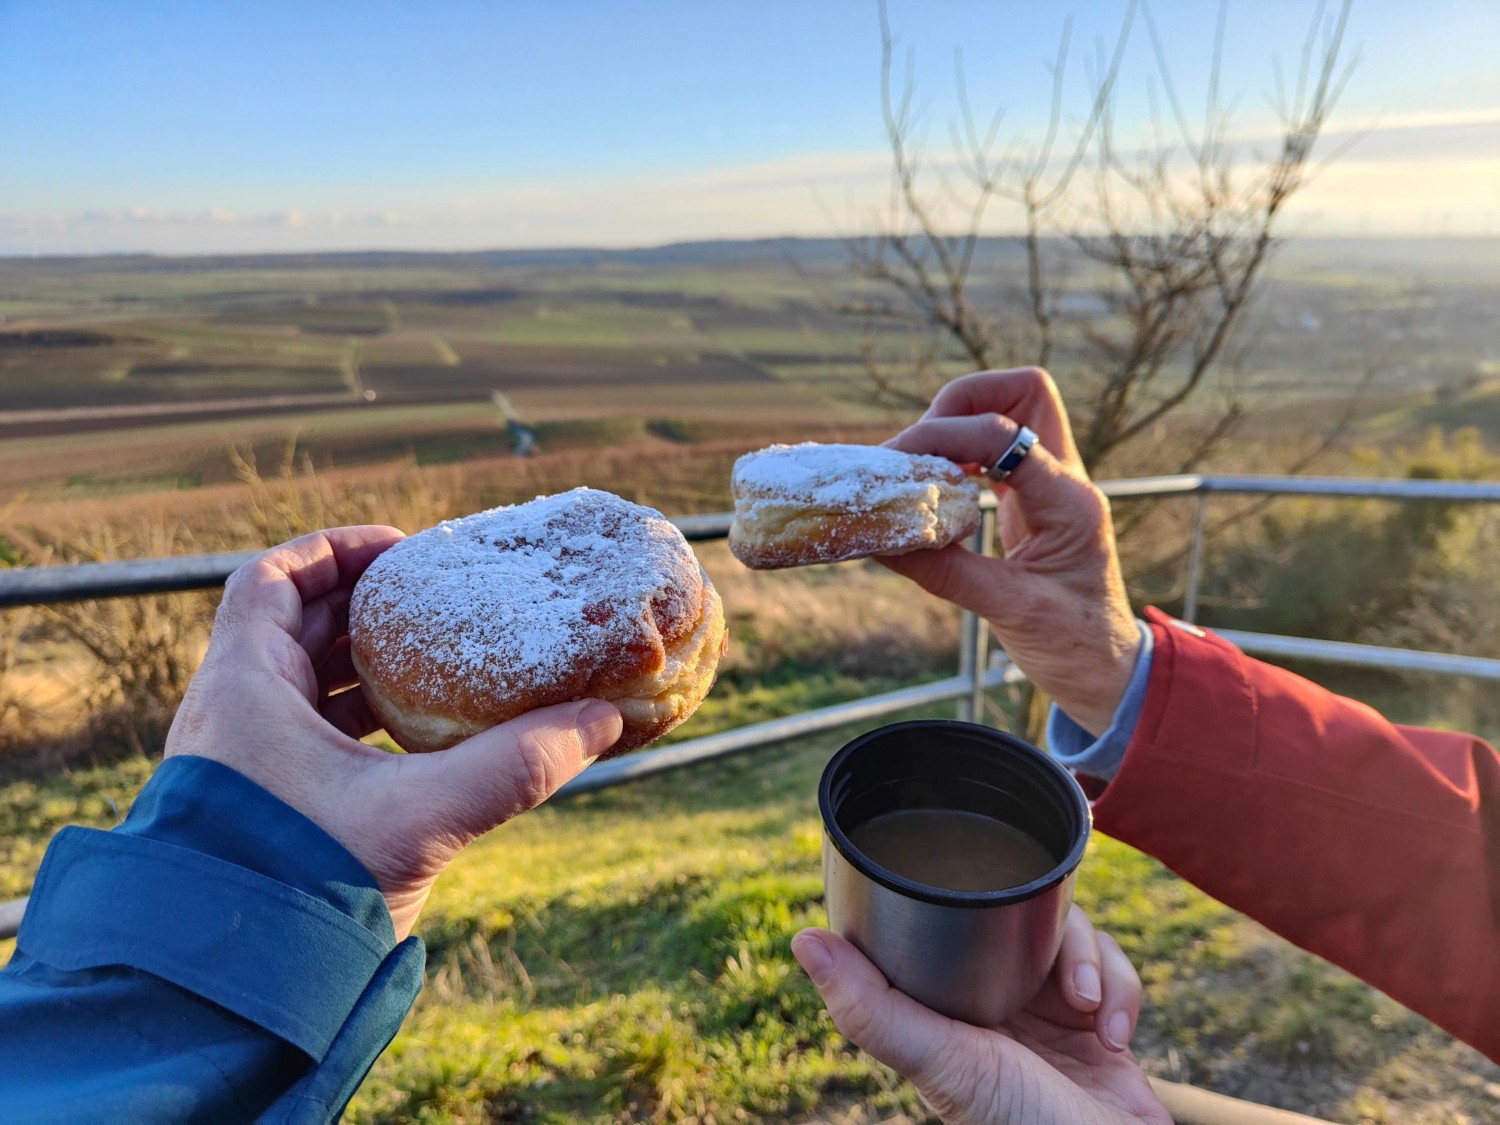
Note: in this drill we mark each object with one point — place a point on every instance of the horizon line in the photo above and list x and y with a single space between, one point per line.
639 248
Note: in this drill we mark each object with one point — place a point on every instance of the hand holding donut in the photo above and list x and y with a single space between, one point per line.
1056 600
261 704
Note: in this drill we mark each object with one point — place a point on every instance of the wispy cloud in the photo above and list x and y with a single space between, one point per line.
1409 173
1488 115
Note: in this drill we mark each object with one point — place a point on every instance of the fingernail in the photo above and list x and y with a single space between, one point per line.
599 722
1117 1031
814 958
1086 983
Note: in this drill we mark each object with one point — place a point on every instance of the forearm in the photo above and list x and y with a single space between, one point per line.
1375 846
217 957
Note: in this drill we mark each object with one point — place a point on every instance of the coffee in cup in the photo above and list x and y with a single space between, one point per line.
950 852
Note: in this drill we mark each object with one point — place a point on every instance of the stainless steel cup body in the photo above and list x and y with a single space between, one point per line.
975 956
978 965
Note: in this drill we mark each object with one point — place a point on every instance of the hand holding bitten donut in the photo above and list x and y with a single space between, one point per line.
1056 600
573 596
795 505
270 702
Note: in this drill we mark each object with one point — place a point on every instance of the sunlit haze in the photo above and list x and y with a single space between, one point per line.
234 127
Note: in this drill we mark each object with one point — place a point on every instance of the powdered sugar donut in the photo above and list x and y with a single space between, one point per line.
812 503
573 596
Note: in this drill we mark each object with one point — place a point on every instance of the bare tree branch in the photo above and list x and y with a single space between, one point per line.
1172 239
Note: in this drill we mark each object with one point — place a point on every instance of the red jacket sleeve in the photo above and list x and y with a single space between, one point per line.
1375 846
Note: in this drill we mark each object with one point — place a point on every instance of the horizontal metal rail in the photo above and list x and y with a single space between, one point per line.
128 578
1362 656
78 581
1187 1105
1369 488
632 767
648 763
10 917
125 578
45 585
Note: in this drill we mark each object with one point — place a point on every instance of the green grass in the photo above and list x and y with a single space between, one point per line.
32 809
585 326
625 956
756 338
754 287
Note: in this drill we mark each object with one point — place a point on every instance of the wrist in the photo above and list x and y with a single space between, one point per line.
1092 700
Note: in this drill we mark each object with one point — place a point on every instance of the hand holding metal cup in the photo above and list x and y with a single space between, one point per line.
976 953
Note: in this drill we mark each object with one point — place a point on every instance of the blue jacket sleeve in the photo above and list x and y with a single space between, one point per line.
217 957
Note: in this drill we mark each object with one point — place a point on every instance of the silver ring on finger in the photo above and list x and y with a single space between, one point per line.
1014 454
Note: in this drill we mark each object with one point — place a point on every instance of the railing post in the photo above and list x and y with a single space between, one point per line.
974 631
1195 560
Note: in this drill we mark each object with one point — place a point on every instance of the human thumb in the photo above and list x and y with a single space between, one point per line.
940 1056
502 772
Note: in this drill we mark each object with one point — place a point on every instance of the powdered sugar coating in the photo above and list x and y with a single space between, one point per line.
837 477
818 503
560 598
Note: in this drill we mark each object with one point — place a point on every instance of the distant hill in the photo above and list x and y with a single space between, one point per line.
1472 258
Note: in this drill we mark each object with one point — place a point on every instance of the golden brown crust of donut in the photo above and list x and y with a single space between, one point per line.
803 504
577 596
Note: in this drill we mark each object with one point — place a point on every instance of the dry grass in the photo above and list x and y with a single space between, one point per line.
97 679
679 477
695 1009
858 620
17 706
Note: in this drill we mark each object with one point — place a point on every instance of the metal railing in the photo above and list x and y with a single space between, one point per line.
976 674
1364 488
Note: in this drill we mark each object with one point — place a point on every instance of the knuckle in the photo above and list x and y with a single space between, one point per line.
1037 378
292 664
1122 960
1033 382
859 1020
532 772
1000 429
918 432
1091 506
228 610
237 592
1098 501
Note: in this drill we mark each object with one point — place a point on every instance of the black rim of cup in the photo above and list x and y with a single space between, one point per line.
1069 798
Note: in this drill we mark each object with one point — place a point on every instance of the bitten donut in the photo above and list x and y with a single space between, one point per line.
812 503
574 596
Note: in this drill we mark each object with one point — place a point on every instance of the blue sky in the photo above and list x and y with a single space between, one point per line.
209 126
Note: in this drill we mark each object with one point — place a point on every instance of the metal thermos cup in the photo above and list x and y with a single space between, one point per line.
978 956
